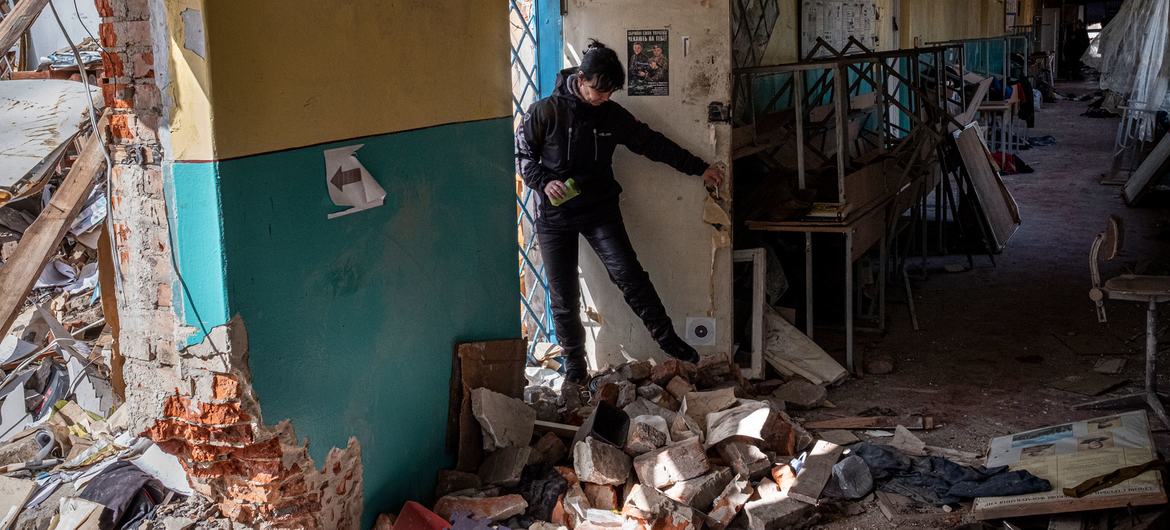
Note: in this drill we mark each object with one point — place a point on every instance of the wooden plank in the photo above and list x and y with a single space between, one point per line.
818 467
995 201
914 423
496 365
18 21
1156 163
42 238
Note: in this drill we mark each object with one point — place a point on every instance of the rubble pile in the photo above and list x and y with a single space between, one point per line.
667 446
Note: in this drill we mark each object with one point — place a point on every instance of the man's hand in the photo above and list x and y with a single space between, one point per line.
555 190
713 176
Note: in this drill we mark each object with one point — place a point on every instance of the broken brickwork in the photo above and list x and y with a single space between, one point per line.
196 403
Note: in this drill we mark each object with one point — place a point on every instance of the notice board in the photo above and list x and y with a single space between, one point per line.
1068 454
835 21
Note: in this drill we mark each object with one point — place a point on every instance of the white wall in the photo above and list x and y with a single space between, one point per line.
688 260
46 35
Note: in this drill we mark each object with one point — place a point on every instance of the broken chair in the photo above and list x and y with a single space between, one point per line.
1149 290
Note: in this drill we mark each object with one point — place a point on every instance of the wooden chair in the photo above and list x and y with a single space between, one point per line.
1149 290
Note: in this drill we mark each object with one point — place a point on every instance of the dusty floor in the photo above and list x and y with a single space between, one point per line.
992 339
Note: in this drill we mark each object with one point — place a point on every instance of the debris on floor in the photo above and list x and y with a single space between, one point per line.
677 446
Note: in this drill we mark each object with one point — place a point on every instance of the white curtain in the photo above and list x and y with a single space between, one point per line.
1133 55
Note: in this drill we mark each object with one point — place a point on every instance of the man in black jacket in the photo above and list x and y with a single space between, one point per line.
573 135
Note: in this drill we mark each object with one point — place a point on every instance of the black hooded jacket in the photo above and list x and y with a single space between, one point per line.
563 137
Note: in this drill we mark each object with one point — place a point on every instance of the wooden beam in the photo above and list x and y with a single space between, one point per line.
39 243
18 21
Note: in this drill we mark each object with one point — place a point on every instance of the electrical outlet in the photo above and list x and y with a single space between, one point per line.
700 331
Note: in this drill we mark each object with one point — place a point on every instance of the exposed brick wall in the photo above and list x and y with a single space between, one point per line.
196 403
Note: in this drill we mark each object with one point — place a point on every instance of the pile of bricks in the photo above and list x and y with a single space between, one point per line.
671 446
230 458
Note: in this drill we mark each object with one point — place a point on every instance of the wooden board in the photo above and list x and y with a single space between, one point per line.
495 365
1156 164
914 423
17 22
1069 453
995 200
39 243
818 467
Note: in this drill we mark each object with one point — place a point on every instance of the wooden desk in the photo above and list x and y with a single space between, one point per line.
862 229
1006 112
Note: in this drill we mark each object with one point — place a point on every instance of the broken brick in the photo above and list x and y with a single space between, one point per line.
671 464
450 480
774 510
729 503
504 467
549 449
646 433
493 509
700 492
600 463
601 496
636 371
745 459
678 387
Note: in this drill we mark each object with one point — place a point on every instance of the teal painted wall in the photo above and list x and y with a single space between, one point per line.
193 190
352 321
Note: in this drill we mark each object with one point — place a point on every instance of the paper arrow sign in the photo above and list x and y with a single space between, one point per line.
349 183
346 176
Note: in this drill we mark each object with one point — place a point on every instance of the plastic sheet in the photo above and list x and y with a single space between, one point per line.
1133 55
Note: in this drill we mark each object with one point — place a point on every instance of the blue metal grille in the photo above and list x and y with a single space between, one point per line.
535 310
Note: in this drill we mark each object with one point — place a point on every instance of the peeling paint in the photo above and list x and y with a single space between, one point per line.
193 38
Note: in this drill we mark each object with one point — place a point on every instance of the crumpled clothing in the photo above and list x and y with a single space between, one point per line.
938 481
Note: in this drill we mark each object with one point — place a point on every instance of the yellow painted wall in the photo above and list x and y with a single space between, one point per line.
290 73
189 87
925 21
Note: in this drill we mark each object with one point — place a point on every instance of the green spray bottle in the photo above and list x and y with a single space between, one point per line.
570 192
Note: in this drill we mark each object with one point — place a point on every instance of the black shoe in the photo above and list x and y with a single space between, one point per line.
576 369
680 350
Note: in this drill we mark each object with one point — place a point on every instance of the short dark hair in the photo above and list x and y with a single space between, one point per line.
601 68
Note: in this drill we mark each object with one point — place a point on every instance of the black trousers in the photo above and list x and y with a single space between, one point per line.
608 238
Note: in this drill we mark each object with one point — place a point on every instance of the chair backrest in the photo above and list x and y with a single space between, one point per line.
1108 243
1114 237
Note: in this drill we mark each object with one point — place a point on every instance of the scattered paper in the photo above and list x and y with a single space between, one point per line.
56 273
13 350
349 183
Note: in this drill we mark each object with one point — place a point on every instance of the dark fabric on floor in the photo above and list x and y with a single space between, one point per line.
939 481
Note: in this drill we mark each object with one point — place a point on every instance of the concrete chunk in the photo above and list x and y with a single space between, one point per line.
503 467
774 510
494 509
671 464
506 422
700 491
597 462
729 502
646 434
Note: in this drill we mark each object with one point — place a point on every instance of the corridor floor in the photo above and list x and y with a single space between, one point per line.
993 339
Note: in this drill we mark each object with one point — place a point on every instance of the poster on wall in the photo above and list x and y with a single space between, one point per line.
649 63
834 21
